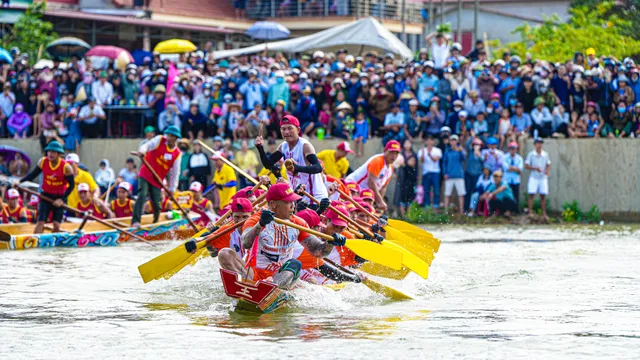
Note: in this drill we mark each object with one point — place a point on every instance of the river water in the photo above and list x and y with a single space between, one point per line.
492 293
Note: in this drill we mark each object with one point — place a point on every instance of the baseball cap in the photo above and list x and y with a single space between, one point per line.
538 140
366 206
352 185
367 194
335 217
344 146
125 185
34 200
243 193
291 120
310 216
392 146
72 157
195 186
83 187
241 205
351 208
513 144
454 137
282 191
445 129
149 129
217 156
13 194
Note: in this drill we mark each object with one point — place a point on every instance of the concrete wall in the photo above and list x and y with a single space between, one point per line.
603 172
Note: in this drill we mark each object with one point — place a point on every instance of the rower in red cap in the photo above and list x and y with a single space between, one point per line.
13 211
306 169
376 173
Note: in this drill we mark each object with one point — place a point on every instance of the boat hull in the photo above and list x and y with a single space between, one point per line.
260 297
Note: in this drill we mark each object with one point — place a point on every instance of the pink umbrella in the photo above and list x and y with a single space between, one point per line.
112 52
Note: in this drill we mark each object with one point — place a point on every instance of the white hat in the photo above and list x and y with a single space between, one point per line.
338 81
304 75
349 58
445 128
280 73
429 64
13 194
462 113
454 137
318 54
83 187
499 62
72 157
125 185
389 75
195 186
413 102
456 46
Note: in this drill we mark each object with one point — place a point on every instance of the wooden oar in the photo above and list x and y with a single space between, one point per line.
168 193
376 286
109 190
233 166
408 259
69 208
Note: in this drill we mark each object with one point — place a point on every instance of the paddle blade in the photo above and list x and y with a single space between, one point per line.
376 253
385 272
415 232
409 260
418 248
386 290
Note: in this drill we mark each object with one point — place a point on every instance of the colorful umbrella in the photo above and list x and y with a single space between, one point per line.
9 153
5 56
66 47
175 46
139 55
268 30
111 52
123 60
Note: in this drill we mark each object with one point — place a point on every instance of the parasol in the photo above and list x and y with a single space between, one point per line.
66 47
175 46
9 153
268 30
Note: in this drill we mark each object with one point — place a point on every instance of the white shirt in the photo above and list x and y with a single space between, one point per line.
440 53
540 161
428 165
102 93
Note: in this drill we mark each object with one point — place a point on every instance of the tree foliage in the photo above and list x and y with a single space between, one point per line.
628 10
30 32
594 26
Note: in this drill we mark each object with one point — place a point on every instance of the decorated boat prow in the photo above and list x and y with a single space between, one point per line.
258 297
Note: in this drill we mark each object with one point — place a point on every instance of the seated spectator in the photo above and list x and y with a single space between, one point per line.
19 123
170 116
90 118
500 196
7 104
492 155
624 93
521 122
619 124
3 166
560 122
195 122
542 119
130 173
480 126
18 166
394 125
480 187
635 122
413 120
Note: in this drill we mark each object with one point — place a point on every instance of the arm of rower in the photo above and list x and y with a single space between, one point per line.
336 274
314 166
371 182
106 210
250 235
317 247
269 161
34 173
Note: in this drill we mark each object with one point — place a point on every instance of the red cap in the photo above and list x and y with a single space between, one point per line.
34 200
243 193
282 191
351 208
367 206
367 194
225 210
513 144
13 194
217 155
196 186
241 205
393 146
259 192
353 186
290 120
335 218
310 216
344 146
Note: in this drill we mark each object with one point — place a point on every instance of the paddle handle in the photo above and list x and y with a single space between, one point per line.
355 203
69 208
228 213
340 214
233 166
159 180
110 189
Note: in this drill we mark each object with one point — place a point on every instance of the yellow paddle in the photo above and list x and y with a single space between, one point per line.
416 232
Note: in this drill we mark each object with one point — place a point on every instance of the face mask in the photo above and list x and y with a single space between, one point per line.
390 81
513 102
489 110
280 80
496 104
543 90
18 111
207 92
364 82
622 110
457 108
64 104
86 80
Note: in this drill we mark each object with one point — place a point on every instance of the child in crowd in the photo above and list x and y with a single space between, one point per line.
480 126
360 132
504 128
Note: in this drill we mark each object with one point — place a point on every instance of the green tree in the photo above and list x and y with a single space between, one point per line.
31 32
596 26
628 10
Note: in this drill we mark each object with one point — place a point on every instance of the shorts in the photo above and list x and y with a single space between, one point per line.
538 186
458 184
262 274
45 207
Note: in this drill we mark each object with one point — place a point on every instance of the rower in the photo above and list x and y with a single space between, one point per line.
93 204
80 176
368 196
273 259
122 205
199 204
335 224
15 211
57 184
307 170
354 188
376 172
335 161
163 155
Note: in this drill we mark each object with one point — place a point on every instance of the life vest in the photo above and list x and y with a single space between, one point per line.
161 160
14 216
124 210
53 180
163 207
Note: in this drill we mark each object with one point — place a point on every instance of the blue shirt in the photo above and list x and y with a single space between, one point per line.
253 93
506 194
453 163
391 119
521 123
512 177
506 83
424 95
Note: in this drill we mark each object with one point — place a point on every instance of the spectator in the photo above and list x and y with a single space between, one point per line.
472 171
195 123
435 117
104 176
539 163
500 196
3 166
439 49
413 120
199 167
90 116
407 178
453 169
278 91
169 116
19 123
527 94
493 157
624 93
129 173
505 129
429 158
484 180
254 90
185 146
473 104
560 122
452 119
394 125
306 110
521 122
360 132
18 166
635 122
255 119
427 85
102 90
512 166
247 161
542 119
7 104
620 123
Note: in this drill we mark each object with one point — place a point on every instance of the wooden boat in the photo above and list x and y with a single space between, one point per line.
257 297
93 234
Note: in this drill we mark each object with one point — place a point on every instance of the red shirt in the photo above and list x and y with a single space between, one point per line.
122 210
53 180
161 160
90 206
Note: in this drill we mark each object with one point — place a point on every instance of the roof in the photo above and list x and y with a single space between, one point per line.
196 8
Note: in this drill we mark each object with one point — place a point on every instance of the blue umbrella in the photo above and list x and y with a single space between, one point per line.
268 30
139 55
5 56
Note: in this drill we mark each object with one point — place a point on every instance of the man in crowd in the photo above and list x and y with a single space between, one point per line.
429 157
453 169
335 161
512 165
539 163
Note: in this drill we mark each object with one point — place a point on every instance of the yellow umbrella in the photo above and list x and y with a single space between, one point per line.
175 46
123 60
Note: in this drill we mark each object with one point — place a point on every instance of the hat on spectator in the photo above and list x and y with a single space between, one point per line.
13 194
218 138
349 58
290 120
149 129
393 146
72 157
516 59
280 73
338 81
539 100
477 141
195 186
637 105
538 140
492 141
414 102
462 113
456 46
310 216
513 145
173 130
592 104
429 63
55 146
125 185
344 106
344 146
217 155
103 74
445 129
495 95
160 88
458 102
318 54
499 62
306 90
83 187
283 192
454 137
623 78
473 93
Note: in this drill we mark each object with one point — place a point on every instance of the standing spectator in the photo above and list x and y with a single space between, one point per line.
407 178
225 182
273 130
278 91
105 176
306 110
453 169
394 125
492 155
199 168
380 101
169 117
253 90
102 90
509 86
539 163
195 123
512 166
527 94
89 117
560 84
435 117
500 196
429 158
247 161
473 171
624 93
426 84
183 181
439 49
7 104
412 120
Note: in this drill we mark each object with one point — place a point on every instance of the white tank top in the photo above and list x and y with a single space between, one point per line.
361 174
313 182
276 245
235 243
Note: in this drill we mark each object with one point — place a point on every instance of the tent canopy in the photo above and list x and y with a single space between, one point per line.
358 37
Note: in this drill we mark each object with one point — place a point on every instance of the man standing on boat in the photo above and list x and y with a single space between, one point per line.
376 173
89 203
13 211
163 155
57 184
306 169
272 259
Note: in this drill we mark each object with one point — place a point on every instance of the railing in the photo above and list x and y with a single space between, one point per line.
382 9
